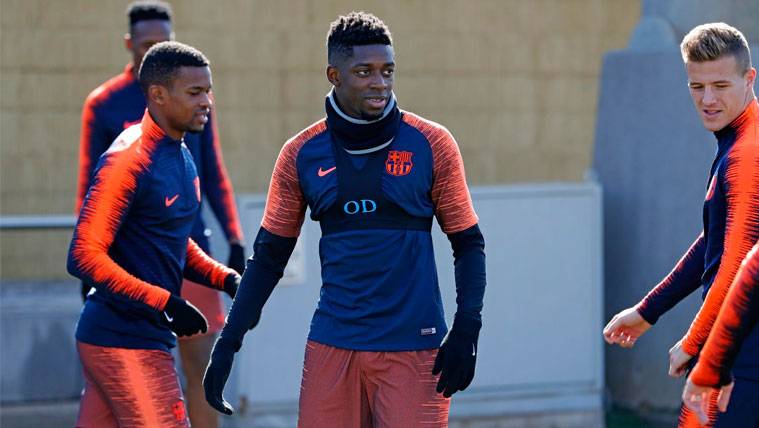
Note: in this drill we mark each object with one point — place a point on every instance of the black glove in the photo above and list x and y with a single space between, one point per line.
217 373
231 285
236 258
184 318
457 356
264 269
85 290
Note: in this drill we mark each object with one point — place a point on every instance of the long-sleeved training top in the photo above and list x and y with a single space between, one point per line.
731 228
119 103
131 240
374 188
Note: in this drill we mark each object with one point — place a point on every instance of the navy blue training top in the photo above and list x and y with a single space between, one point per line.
131 240
120 103
731 228
379 283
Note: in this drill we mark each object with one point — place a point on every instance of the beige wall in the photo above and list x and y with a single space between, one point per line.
515 81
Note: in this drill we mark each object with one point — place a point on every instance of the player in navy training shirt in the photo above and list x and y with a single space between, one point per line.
721 80
132 242
373 176
119 103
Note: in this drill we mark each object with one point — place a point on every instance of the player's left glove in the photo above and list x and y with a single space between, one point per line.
457 356
236 257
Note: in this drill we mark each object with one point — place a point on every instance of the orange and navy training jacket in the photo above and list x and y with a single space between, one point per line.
731 227
374 187
737 319
119 103
131 240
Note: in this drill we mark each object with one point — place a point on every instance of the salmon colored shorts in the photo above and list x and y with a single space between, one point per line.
350 389
129 388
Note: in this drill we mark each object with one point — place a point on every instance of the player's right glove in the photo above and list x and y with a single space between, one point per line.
217 373
236 258
457 356
184 319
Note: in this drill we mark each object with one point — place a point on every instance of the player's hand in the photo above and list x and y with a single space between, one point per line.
216 376
184 319
625 328
236 257
696 398
456 359
724 397
678 360
231 285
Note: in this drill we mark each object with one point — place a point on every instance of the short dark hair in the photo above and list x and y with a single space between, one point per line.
145 10
355 29
163 60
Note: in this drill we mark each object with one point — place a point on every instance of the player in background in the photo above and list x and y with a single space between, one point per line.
119 103
373 177
711 379
132 242
721 79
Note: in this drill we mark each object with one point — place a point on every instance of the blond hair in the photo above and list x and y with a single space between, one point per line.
709 42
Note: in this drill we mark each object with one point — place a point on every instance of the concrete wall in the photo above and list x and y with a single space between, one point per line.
515 81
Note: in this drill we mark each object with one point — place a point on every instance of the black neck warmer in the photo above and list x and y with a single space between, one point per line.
357 134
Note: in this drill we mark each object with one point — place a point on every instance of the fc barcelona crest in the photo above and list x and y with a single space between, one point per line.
398 163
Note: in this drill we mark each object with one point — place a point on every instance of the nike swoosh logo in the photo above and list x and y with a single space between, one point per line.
170 202
323 172
168 318
474 351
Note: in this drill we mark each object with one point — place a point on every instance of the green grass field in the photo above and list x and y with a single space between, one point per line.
617 418
622 418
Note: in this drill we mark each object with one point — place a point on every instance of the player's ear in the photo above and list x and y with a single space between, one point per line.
750 77
157 94
128 41
333 75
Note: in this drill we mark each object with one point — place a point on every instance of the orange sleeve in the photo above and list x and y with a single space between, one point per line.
90 148
741 232
201 268
450 194
285 204
216 183
737 318
103 211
